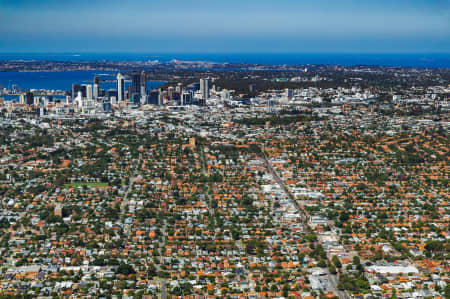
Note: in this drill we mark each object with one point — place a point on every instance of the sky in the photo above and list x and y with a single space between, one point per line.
225 26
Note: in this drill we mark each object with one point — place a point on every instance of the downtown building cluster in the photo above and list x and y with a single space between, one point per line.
85 97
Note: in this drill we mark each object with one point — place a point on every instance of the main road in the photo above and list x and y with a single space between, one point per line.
333 279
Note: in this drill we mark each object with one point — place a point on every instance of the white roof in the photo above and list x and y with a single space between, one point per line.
393 269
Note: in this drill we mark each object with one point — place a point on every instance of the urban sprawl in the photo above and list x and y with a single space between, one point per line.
281 182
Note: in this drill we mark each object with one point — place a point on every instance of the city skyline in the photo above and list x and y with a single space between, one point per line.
219 26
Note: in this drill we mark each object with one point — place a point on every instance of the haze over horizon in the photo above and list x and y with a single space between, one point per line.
200 26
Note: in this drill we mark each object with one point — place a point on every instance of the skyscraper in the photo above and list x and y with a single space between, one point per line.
186 98
83 90
143 91
204 89
154 97
138 88
120 88
135 87
75 89
88 92
95 91
143 83
29 98
96 87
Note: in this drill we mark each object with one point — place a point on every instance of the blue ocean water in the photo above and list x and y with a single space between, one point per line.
61 80
425 60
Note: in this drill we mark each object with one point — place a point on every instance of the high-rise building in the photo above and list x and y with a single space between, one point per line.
204 89
106 106
138 89
160 97
143 83
143 91
83 90
75 89
88 92
120 88
153 97
95 88
78 100
95 91
186 98
29 98
179 87
135 87
171 93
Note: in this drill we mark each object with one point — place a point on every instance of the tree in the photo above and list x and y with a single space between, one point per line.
332 269
336 261
125 269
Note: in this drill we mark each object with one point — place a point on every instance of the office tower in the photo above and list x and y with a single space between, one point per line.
144 99
29 98
160 97
120 88
186 98
75 89
204 89
138 89
83 90
128 92
78 101
88 92
95 89
136 99
171 92
179 88
135 87
143 90
106 106
153 97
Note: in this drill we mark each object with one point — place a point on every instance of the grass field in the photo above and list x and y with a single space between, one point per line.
75 185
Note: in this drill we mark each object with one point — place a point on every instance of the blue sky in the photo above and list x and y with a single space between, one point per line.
220 26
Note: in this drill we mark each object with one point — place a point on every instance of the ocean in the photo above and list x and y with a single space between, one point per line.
424 60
